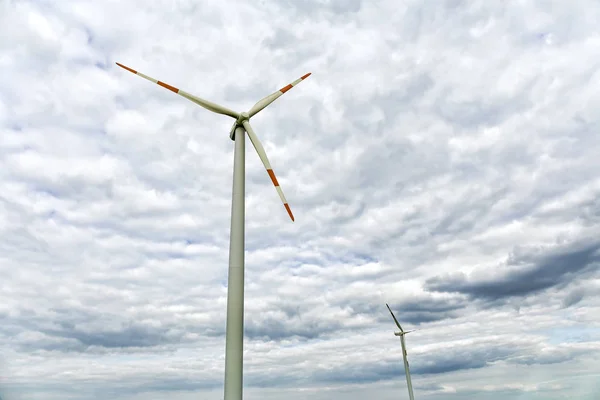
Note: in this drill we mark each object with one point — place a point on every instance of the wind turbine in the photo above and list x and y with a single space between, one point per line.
234 337
406 369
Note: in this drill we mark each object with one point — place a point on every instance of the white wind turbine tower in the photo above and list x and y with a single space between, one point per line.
234 337
406 369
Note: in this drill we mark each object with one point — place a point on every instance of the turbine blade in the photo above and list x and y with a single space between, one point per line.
201 102
393 316
274 96
263 157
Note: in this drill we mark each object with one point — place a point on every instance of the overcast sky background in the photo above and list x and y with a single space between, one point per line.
443 157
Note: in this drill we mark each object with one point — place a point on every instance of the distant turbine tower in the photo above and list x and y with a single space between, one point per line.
406 369
234 335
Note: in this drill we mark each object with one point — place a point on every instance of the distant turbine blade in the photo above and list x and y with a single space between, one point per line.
201 102
263 157
393 316
274 96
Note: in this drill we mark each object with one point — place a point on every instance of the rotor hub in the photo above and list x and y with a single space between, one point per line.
243 117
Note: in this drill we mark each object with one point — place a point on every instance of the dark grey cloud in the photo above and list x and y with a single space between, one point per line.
428 310
285 319
126 336
432 363
574 297
448 365
274 329
460 358
162 384
63 335
360 373
259 380
81 331
364 373
526 273
554 357
420 310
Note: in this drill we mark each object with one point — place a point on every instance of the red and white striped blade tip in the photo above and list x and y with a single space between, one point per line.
291 85
289 211
126 67
276 184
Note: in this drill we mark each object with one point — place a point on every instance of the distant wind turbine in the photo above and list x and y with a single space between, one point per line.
406 369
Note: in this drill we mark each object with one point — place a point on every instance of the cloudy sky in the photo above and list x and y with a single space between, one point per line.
443 157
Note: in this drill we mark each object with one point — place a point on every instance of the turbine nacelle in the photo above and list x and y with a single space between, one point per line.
232 131
239 122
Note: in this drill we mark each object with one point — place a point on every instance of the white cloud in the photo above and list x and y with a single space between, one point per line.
440 158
